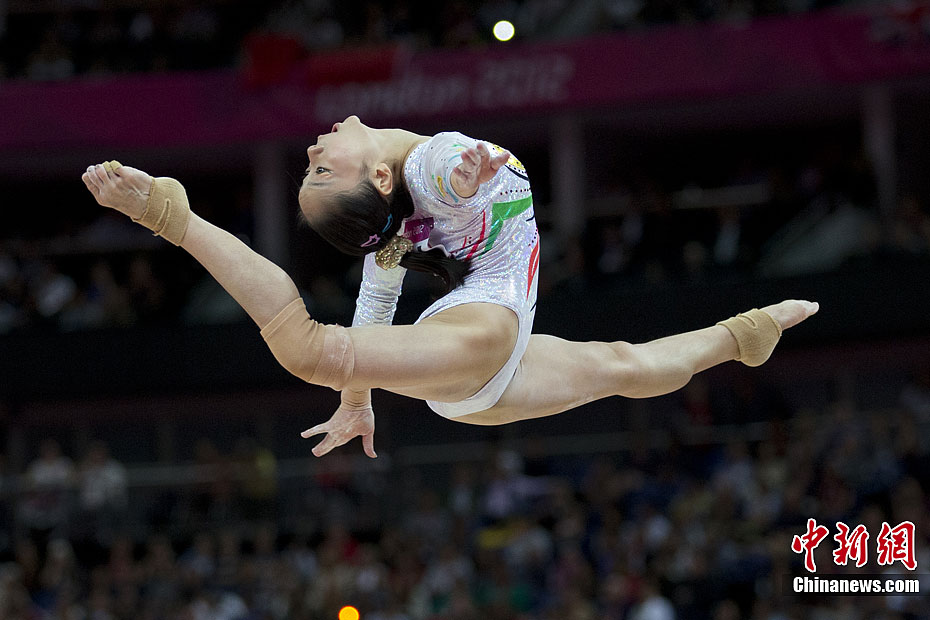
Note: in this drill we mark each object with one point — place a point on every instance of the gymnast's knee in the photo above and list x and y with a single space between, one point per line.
318 354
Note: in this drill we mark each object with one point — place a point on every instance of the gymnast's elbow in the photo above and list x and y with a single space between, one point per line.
295 364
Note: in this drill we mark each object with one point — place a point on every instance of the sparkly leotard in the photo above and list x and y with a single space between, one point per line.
496 228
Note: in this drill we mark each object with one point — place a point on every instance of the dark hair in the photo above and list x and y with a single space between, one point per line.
352 219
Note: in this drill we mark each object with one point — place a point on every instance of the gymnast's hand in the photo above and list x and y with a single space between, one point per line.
119 187
352 419
477 167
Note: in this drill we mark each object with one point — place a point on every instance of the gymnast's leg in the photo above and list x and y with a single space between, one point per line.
446 357
556 375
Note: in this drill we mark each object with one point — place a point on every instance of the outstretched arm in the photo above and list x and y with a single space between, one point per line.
376 304
262 288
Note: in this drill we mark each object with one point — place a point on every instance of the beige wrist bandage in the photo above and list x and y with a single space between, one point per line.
353 399
319 354
167 211
756 334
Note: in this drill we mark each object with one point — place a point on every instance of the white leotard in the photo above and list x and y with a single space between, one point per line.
496 228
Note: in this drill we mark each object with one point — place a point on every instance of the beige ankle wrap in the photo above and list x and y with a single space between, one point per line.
756 334
319 354
167 211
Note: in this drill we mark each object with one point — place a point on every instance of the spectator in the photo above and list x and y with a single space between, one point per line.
51 61
47 486
53 291
652 605
147 294
198 563
102 492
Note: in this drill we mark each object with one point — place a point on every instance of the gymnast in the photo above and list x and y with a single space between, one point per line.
459 209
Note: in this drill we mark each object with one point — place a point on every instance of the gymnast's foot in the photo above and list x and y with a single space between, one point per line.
758 331
119 187
791 311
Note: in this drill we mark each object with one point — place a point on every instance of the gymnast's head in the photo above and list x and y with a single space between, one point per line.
353 194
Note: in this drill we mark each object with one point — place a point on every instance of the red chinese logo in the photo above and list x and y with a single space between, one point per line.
897 543
808 542
852 545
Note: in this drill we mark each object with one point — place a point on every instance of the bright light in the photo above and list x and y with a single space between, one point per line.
348 613
503 30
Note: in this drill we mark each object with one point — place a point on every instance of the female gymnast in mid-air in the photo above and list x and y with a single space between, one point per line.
462 210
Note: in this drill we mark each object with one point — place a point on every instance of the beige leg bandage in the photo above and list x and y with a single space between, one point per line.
167 211
319 354
756 334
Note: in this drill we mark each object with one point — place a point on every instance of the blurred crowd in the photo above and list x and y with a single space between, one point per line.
678 531
93 268
812 210
84 38
77 39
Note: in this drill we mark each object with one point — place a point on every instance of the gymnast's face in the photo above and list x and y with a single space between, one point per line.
337 162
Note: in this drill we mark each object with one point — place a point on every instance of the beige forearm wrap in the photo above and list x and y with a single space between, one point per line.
356 399
756 334
319 354
167 211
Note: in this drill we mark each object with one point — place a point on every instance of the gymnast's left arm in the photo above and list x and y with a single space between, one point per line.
376 304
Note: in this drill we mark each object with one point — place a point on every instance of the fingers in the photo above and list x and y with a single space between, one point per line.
478 159
499 160
471 160
316 430
478 156
324 446
368 443
333 440
483 152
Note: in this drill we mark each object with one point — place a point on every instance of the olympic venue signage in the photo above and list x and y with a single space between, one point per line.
286 92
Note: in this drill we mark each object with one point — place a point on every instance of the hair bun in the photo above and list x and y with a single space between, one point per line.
390 255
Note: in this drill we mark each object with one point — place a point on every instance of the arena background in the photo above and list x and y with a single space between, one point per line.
690 159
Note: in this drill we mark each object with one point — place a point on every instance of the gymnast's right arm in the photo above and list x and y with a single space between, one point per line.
320 354
376 304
